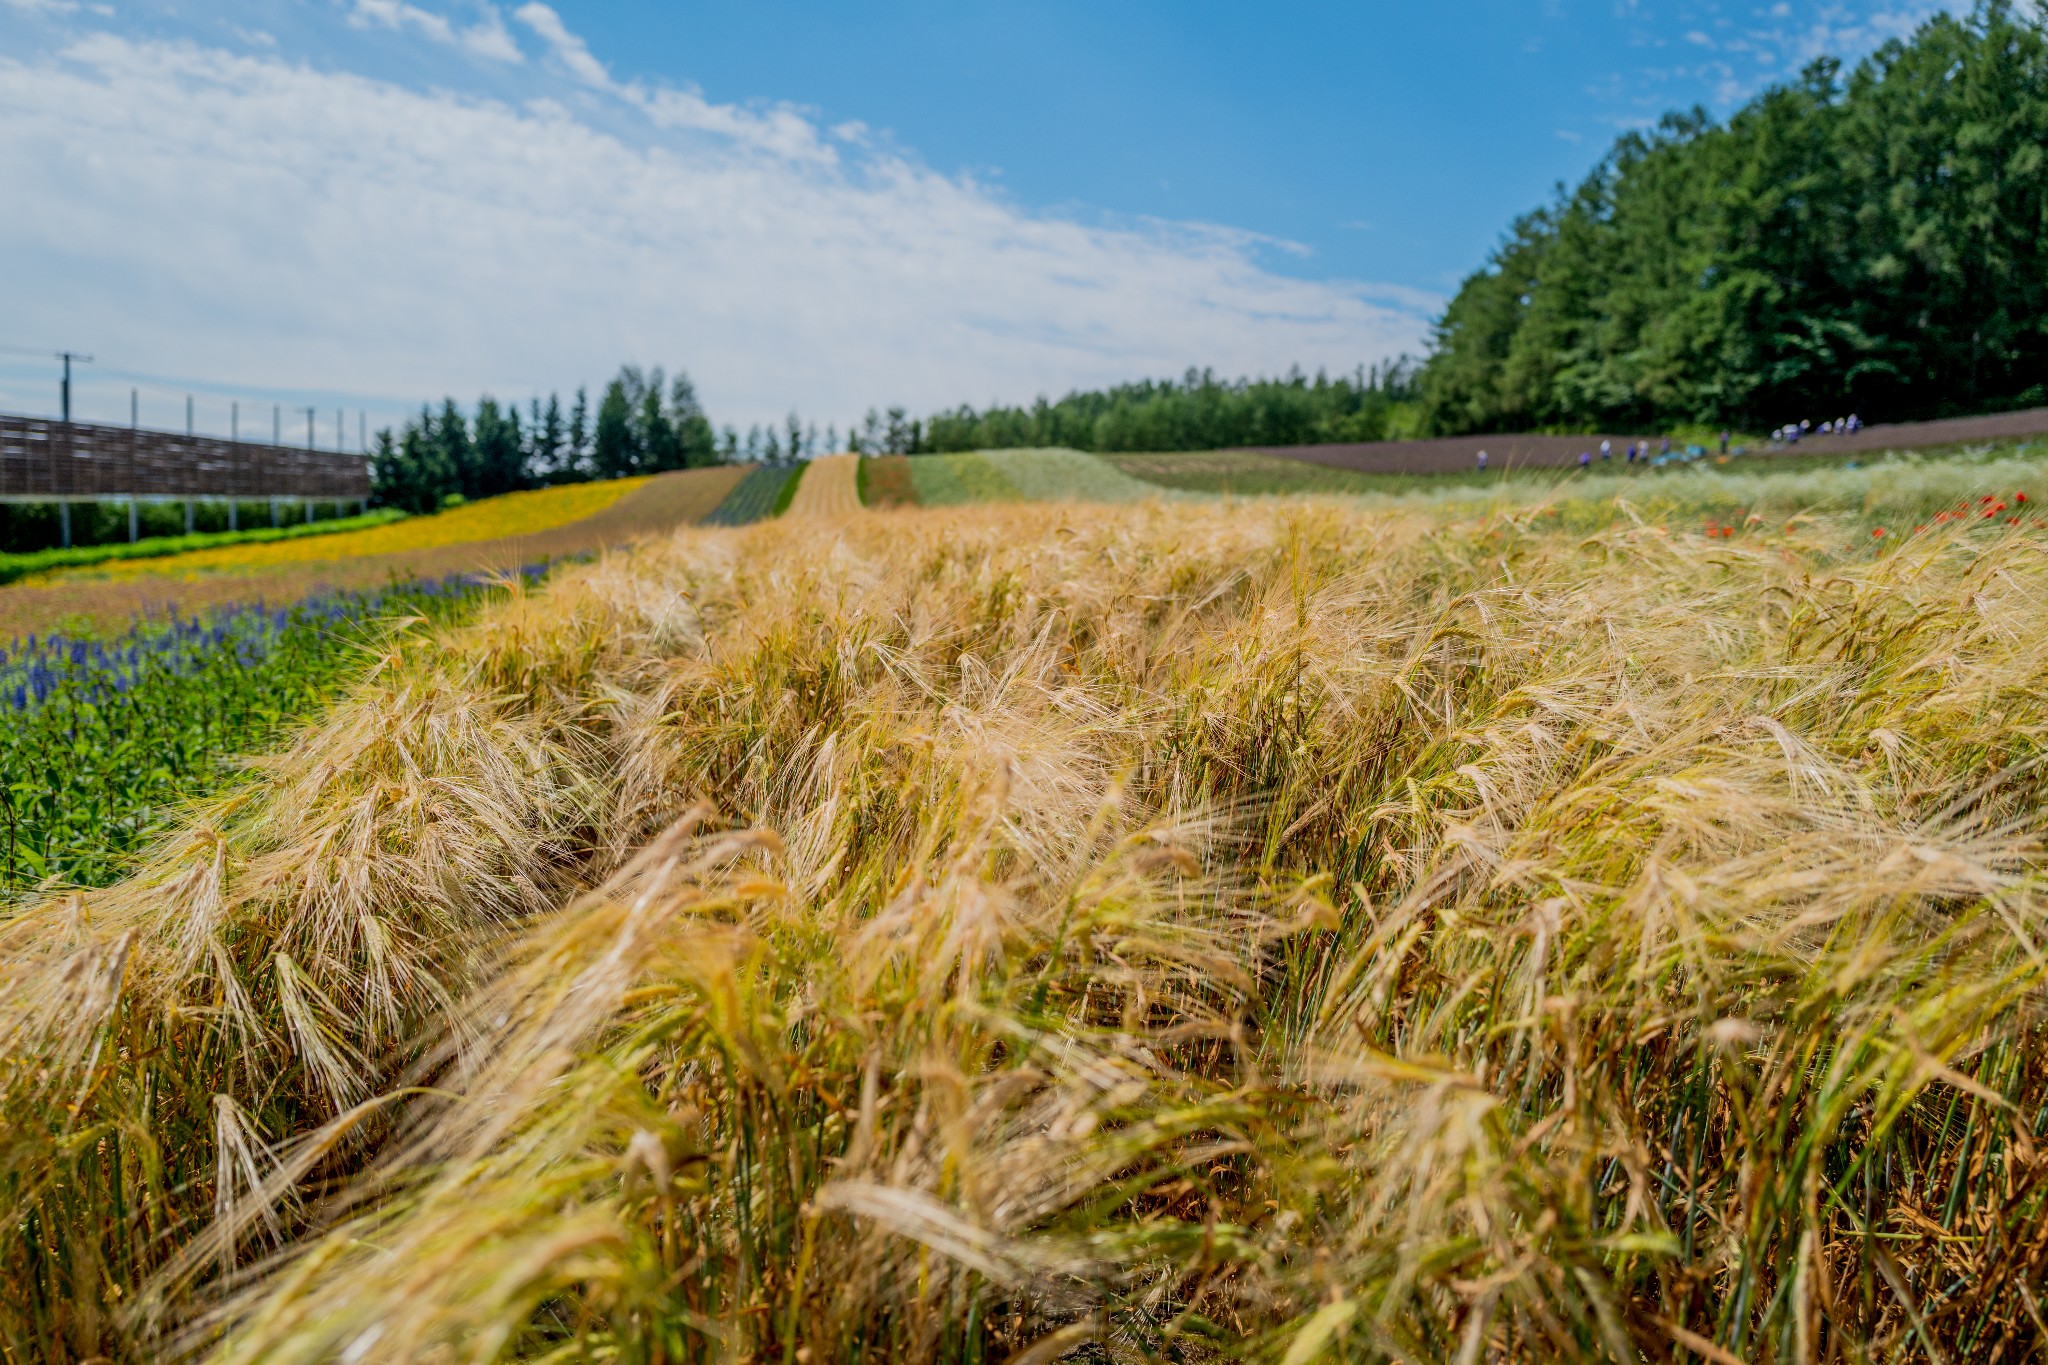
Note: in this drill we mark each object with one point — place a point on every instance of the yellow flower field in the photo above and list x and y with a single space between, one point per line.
513 514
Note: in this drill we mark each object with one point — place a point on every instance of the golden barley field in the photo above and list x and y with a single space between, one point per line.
828 488
1288 930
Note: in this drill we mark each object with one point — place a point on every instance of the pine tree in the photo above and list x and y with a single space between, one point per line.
393 476
576 461
458 454
699 445
553 462
659 448
532 458
617 452
496 450
420 474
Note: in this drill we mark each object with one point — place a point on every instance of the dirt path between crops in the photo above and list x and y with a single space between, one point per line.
830 488
1456 454
661 504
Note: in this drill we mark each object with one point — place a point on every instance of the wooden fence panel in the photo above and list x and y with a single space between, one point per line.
85 460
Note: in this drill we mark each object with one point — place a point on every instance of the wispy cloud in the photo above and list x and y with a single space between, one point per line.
248 215
486 37
568 49
1772 44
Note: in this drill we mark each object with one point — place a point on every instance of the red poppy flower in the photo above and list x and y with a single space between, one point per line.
1877 533
2019 497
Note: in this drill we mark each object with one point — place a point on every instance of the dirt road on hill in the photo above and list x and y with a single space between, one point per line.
662 504
830 488
1457 454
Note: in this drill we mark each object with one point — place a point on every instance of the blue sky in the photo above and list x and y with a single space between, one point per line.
365 203
1393 141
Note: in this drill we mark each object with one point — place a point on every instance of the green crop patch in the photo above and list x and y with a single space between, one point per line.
762 494
17 566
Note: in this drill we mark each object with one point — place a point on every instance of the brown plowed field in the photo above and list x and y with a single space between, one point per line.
661 504
1457 454
888 481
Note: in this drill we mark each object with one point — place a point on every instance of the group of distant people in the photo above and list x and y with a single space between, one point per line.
1790 435
1639 451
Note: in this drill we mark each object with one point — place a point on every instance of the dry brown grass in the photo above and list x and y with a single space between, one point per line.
1278 927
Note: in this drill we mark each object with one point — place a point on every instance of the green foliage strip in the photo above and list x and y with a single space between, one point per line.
15 566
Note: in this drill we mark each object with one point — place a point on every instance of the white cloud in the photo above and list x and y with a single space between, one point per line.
571 51
42 6
487 37
781 130
240 216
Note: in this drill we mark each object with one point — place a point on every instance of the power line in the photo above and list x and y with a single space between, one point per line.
168 385
67 357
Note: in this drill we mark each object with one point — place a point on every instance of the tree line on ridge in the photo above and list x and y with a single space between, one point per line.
645 423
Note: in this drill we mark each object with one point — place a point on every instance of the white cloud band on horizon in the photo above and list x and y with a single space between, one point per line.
245 216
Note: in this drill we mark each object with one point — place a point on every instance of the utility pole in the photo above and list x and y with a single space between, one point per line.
340 432
362 432
65 391
277 424
188 414
134 408
309 428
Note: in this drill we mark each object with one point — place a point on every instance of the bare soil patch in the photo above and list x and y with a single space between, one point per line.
1511 450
